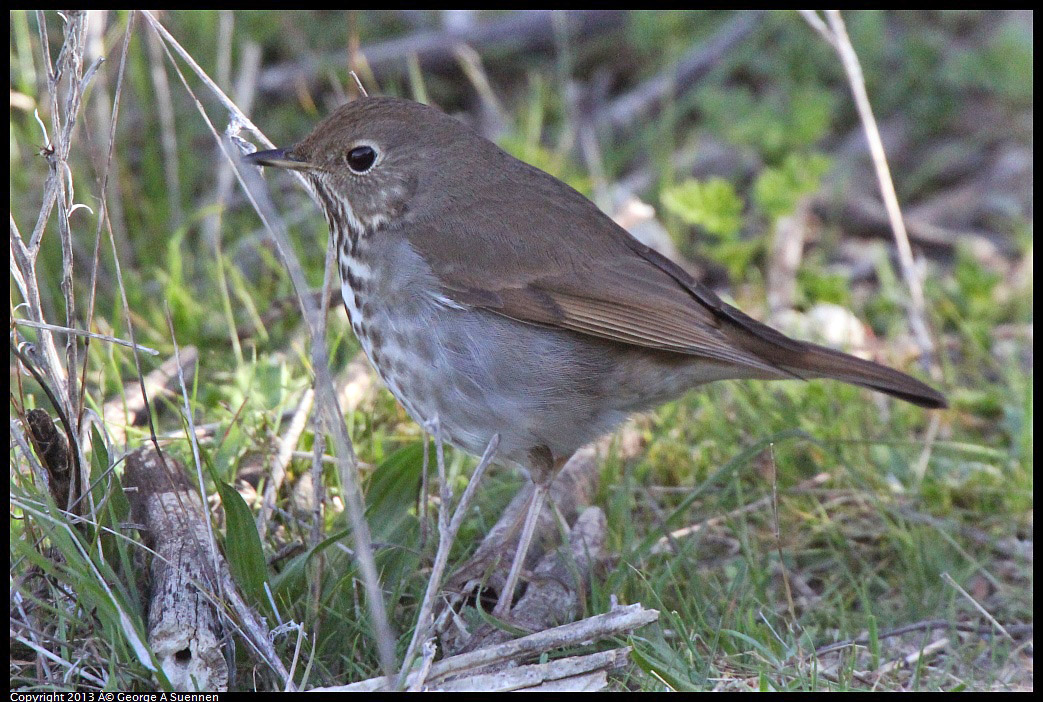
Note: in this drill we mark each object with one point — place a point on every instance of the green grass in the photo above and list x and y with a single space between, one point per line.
861 552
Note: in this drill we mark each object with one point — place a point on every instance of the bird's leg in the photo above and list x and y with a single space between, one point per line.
542 468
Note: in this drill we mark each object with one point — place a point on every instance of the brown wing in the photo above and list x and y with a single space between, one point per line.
629 301
565 264
539 252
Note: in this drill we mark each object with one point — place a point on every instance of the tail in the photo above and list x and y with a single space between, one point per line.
806 360
819 361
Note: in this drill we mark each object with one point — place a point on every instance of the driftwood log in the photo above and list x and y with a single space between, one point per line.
184 626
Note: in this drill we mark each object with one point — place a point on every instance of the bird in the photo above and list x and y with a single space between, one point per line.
494 299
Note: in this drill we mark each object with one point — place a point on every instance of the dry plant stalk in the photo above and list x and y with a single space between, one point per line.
66 83
447 531
836 35
281 460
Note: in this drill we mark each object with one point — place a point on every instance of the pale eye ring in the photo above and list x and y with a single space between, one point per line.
361 158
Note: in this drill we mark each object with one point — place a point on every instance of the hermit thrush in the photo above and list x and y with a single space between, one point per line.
495 298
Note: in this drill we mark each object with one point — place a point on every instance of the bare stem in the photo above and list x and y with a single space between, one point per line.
447 531
837 36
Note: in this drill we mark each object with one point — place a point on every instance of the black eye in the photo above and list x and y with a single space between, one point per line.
361 158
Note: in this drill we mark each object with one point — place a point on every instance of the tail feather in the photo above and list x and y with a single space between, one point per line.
822 362
805 360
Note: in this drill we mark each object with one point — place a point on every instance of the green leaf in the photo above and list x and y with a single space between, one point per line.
712 204
809 115
110 487
775 123
114 510
243 545
393 490
660 670
777 189
99 466
501 624
815 285
764 650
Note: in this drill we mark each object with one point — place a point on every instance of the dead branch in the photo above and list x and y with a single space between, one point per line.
184 626
925 626
519 32
620 620
865 216
574 674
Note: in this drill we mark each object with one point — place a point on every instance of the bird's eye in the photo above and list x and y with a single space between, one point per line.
361 158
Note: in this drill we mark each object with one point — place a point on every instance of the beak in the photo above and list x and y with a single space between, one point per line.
278 158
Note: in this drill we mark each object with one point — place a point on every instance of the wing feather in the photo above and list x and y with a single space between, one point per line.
567 265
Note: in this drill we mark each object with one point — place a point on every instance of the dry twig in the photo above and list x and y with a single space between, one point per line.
838 38
620 620
447 532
